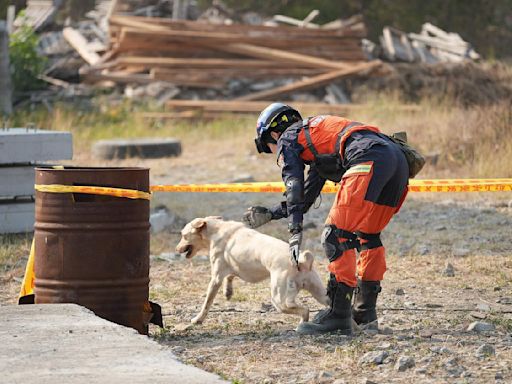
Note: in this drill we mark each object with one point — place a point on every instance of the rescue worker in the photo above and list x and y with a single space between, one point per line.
373 175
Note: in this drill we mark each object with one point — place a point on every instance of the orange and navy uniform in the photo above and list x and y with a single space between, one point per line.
372 189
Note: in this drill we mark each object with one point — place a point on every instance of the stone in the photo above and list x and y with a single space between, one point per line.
448 271
426 333
460 252
404 363
423 250
177 350
504 300
420 371
386 331
440 228
373 357
498 376
482 307
485 350
339 381
440 350
383 346
480 326
399 292
324 376
478 315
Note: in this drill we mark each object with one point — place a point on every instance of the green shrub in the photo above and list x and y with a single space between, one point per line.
26 63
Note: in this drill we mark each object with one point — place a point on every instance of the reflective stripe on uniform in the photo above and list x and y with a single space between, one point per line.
360 168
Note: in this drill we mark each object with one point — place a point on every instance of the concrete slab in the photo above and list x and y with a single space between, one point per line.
22 145
17 181
17 216
66 343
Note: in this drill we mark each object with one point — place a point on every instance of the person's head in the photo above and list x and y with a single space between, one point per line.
272 122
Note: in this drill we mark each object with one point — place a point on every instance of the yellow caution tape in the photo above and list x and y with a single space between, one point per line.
434 185
27 286
441 185
107 191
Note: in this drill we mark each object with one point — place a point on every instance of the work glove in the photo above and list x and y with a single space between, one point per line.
255 217
295 243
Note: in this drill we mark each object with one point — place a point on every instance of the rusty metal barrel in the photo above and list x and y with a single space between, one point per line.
93 250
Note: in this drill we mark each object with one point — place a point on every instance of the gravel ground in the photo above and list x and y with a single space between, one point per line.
449 266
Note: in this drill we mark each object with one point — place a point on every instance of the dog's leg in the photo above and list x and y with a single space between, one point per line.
228 286
314 285
284 291
218 275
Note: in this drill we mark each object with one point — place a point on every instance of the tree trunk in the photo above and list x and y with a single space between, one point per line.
5 75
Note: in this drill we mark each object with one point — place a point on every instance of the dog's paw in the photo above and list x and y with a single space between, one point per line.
197 320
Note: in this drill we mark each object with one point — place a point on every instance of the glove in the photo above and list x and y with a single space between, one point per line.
295 243
255 217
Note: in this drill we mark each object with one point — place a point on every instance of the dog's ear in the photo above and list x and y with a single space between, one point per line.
198 224
306 259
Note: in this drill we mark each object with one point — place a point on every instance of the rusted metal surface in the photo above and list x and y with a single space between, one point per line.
93 250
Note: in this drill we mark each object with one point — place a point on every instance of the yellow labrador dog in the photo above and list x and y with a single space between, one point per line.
236 250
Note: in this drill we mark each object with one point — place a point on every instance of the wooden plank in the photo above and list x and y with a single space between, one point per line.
309 83
118 77
78 41
194 63
282 56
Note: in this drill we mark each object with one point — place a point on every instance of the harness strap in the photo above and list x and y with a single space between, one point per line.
372 240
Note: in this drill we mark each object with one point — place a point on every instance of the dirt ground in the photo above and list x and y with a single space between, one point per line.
424 309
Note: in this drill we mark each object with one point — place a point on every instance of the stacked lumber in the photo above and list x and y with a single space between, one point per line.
195 54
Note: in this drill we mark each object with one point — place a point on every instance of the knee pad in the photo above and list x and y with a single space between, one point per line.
333 248
372 240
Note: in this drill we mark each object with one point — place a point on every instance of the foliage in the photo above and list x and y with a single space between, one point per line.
26 63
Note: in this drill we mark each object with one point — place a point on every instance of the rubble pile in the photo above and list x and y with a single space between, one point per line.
168 51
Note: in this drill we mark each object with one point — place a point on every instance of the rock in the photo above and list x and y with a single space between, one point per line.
478 315
504 300
383 346
399 292
324 376
480 326
440 228
420 371
440 350
496 289
368 381
243 178
423 250
404 363
161 220
409 303
426 333
373 357
167 256
448 271
177 350
460 252
498 376
483 307
386 331
485 350
339 381
183 327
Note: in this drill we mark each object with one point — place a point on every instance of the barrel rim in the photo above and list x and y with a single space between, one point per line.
85 169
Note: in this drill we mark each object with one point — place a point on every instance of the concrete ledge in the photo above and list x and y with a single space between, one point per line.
66 343
17 216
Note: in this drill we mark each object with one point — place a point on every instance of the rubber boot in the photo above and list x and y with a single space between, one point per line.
365 300
338 317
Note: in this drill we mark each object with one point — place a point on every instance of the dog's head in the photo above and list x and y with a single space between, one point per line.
193 238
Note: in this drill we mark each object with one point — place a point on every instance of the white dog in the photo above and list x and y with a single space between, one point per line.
236 250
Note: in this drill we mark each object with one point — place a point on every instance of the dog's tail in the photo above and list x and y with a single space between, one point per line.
306 259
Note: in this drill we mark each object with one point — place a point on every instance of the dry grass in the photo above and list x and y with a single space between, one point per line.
474 142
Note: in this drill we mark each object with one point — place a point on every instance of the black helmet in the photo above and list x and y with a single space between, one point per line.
275 118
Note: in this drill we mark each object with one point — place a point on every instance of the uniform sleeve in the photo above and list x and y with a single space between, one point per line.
312 187
292 171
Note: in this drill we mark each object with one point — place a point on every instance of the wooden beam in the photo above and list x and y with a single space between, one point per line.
281 55
79 43
194 63
309 83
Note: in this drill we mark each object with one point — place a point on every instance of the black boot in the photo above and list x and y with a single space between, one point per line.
338 317
365 300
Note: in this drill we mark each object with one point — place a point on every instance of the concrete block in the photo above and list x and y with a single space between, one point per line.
66 343
22 145
16 181
17 217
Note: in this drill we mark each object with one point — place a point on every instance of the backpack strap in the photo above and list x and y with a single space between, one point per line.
307 134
